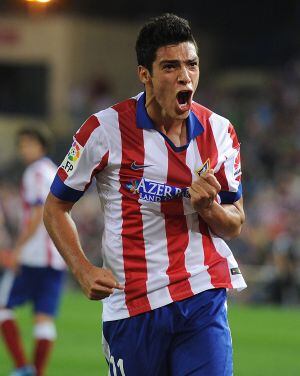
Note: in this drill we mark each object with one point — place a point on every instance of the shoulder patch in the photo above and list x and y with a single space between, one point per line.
71 159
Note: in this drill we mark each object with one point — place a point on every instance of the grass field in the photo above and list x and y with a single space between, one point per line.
266 340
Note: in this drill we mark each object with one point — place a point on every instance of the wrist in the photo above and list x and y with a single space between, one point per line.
81 268
207 212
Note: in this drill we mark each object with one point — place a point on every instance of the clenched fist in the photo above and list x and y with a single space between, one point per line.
204 190
98 283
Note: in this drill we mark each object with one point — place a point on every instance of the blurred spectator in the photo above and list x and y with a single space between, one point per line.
100 94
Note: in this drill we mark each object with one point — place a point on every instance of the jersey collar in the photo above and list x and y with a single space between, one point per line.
194 126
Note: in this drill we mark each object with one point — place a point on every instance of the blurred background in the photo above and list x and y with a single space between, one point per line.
62 60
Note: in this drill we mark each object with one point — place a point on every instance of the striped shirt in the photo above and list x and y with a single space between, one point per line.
154 241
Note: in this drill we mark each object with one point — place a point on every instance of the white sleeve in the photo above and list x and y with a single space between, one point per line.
229 172
87 156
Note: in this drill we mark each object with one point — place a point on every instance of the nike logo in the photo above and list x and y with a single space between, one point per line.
134 166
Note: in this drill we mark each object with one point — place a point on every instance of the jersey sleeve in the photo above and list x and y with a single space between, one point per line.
230 172
35 187
87 156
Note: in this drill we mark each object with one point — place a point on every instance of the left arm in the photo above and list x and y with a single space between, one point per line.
225 220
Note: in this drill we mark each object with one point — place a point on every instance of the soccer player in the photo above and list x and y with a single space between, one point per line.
169 181
35 269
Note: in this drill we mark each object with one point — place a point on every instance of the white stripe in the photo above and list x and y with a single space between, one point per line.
111 202
194 162
154 230
219 126
194 255
222 248
90 157
6 286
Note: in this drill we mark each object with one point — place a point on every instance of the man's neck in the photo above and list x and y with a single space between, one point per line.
174 129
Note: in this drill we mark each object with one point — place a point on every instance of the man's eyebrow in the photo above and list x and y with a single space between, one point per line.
178 61
169 62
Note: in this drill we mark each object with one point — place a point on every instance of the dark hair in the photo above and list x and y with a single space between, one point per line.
158 32
40 135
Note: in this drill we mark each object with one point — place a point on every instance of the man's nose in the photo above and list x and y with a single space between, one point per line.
184 77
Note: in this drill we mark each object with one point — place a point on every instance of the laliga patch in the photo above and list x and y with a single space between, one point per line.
204 168
71 159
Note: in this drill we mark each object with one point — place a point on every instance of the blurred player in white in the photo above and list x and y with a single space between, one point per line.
35 270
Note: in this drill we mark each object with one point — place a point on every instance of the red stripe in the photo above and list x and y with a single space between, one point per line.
135 265
62 174
176 227
208 149
235 145
222 178
217 265
100 167
221 175
84 132
235 141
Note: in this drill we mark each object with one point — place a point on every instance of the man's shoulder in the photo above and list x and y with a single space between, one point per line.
110 117
209 117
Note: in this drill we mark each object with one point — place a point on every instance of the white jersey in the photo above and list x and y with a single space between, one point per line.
154 241
39 250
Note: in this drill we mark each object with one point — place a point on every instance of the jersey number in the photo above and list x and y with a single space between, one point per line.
120 365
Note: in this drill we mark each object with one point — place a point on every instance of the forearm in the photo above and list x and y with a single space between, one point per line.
62 230
97 283
224 220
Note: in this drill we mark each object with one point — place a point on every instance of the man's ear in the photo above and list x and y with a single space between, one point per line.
144 74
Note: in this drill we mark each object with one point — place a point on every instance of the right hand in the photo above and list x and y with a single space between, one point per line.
203 191
98 283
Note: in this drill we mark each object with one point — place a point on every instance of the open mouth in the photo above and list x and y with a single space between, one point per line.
184 98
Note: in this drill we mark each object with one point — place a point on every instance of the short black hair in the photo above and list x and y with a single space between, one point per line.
41 135
158 32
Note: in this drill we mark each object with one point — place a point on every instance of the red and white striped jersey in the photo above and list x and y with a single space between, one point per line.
39 250
154 241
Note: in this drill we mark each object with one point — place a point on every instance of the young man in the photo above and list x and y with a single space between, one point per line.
34 268
168 176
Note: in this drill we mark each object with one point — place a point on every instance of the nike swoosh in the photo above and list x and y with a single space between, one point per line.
135 166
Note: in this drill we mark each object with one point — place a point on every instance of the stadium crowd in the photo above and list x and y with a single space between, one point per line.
267 119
